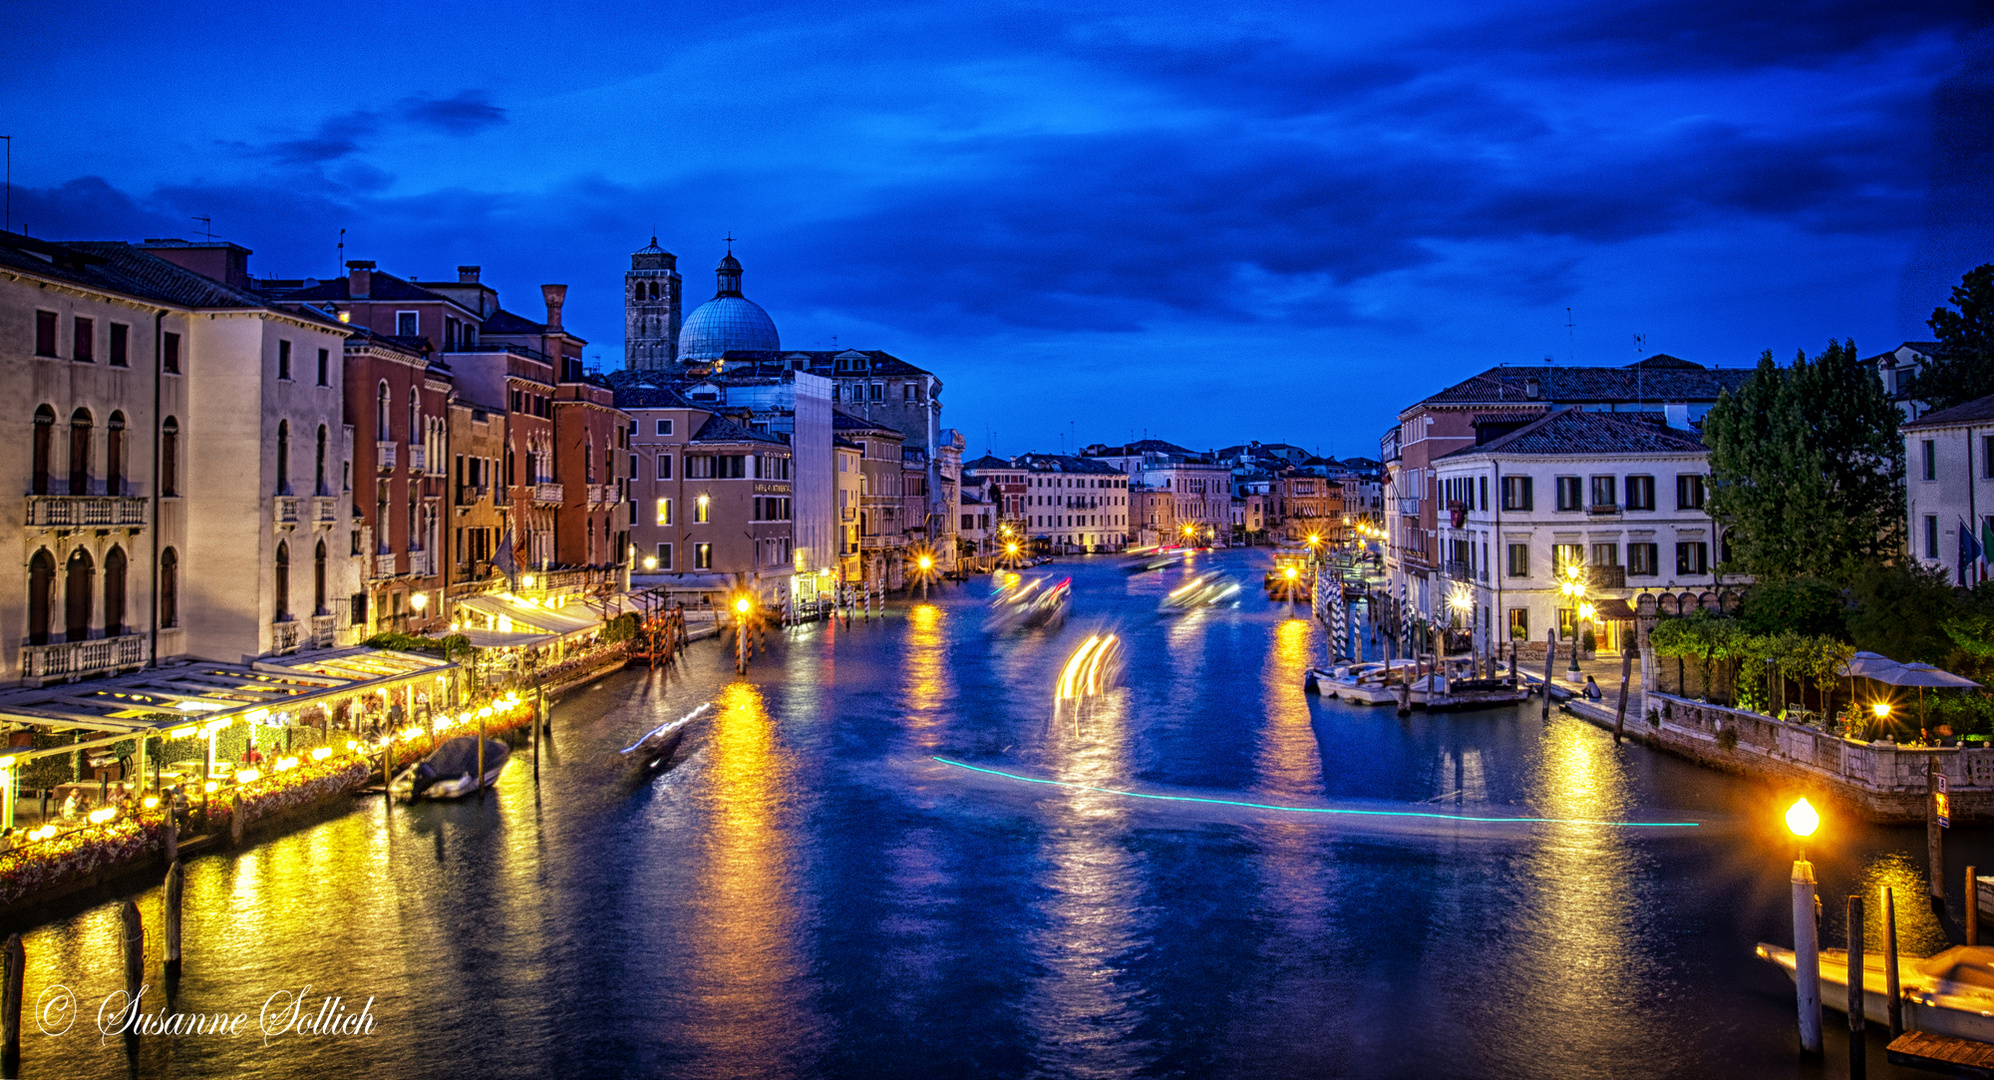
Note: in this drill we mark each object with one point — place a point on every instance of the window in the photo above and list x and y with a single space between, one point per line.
699 467
664 511
1606 555
284 360
878 392
664 556
318 579
1643 560
408 323
730 467
114 592
664 466
906 391
702 556
44 333
1564 555
1931 536
702 511
79 452
169 589
1516 493
1987 455
664 427
1640 493
1568 623
1929 457
1569 494
1519 560
121 345
381 412
1519 624
280 610
1689 491
283 457
1693 557
86 340
1484 486
1603 491
325 367
44 449
169 457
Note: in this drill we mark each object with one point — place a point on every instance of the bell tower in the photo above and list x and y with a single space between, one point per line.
651 310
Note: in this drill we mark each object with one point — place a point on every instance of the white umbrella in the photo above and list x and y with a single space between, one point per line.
1869 665
1922 675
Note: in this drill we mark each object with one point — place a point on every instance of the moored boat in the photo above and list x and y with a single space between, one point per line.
1947 993
1438 693
451 770
1373 683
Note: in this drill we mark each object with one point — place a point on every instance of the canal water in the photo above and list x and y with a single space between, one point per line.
886 854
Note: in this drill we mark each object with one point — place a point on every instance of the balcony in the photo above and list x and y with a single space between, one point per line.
471 493
418 455
1456 570
384 456
324 629
284 509
552 494
76 659
878 542
382 565
602 495
83 511
325 509
284 636
1604 510
1409 507
1606 577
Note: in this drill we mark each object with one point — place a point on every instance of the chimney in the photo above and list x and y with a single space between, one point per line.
1530 389
359 279
555 295
467 275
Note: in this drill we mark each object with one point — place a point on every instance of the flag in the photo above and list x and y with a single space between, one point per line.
1969 552
503 557
1987 539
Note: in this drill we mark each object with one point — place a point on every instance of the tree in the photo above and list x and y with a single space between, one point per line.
1901 612
1803 605
1806 469
1962 367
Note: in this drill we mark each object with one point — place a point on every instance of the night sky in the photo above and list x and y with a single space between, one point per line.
1208 223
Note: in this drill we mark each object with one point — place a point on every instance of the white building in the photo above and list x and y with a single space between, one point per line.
1075 504
1621 494
1949 486
1198 485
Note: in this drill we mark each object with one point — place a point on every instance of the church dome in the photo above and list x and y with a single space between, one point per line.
730 322
726 324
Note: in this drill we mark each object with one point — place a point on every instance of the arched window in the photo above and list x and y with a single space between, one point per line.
283 457
318 473
381 412
41 596
169 589
114 456
76 596
44 446
414 415
318 580
169 457
282 611
114 592
79 452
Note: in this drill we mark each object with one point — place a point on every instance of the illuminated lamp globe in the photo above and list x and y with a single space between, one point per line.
1881 709
742 605
1801 819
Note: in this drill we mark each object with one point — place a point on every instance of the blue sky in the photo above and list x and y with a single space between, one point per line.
1281 222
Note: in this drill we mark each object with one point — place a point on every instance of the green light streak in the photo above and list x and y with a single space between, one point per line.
1324 809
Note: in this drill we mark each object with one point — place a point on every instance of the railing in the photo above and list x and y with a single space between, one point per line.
383 565
1409 507
602 495
1606 577
77 658
549 493
284 508
1457 570
284 636
877 542
420 564
418 455
1604 509
470 493
324 627
325 509
384 455
73 511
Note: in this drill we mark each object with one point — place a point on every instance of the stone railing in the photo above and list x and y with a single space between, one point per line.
79 511
284 636
325 509
284 509
549 493
418 455
78 658
384 455
602 495
324 627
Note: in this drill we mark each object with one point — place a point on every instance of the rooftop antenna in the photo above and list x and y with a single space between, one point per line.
1640 344
339 266
207 223
9 222
1571 337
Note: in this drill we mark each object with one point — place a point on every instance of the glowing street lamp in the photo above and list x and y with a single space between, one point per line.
1802 820
1574 588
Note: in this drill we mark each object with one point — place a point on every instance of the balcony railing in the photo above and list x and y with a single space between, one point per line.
384 455
284 508
325 509
284 636
471 493
1606 577
382 565
78 511
549 493
417 456
1457 570
1604 509
877 542
602 495
40 663
324 629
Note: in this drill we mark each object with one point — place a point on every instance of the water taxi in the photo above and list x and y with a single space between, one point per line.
1948 993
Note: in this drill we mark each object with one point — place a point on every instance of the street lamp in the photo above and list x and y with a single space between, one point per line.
1574 588
1802 820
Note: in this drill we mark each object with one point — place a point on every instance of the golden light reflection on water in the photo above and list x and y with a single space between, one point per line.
1288 758
929 686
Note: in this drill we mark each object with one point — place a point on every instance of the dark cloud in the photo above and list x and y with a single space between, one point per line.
467 113
348 133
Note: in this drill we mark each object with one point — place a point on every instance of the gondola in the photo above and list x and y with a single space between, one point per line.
658 744
451 770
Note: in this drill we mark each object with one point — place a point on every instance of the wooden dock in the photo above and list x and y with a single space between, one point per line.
1942 1053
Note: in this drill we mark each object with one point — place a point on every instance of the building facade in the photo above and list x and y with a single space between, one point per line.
1949 489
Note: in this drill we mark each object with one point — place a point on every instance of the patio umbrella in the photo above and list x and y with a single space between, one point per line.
1868 665
1923 675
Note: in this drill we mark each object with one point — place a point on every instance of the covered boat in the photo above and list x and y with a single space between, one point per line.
1438 693
1947 993
1362 684
451 770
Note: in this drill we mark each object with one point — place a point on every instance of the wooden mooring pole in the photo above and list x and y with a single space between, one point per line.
1935 852
134 947
1893 991
176 884
13 968
1620 711
1972 902
1550 664
1858 1052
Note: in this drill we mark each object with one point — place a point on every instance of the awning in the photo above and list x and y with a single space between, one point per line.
1614 609
511 614
499 639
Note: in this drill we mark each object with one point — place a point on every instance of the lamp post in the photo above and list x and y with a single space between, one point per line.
742 606
926 564
1802 821
1574 588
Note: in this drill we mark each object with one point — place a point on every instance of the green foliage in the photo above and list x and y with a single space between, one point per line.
1804 605
1962 367
408 643
1701 636
1968 713
621 628
1806 466
1901 612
